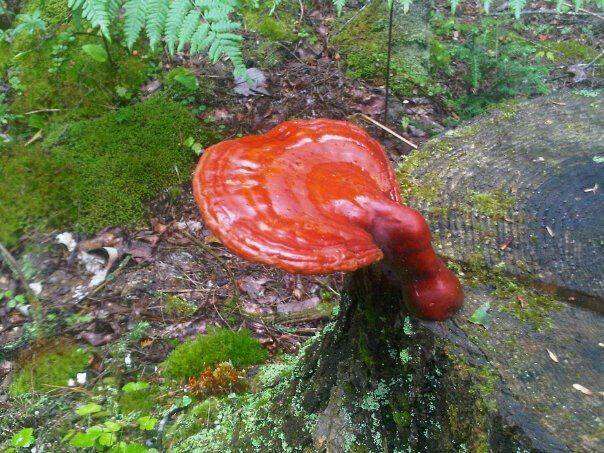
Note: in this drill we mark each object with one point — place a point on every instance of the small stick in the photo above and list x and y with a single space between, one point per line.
108 278
12 264
387 129
42 111
388 60
208 249
591 63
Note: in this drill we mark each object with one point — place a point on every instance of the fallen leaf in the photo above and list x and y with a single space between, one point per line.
254 83
293 307
582 389
552 356
97 339
481 315
254 287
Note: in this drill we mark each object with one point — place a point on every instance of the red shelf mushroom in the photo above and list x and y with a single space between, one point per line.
318 196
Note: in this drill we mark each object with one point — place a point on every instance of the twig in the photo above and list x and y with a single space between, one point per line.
591 63
387 129
164 421
109 278
42 111
527 12
208 249
12 264
584 11
355 15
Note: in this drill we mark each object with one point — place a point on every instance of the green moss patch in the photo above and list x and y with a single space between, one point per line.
200 416
96 173
271 27
495 204
49 369
363 43
218 345
55 73
143 401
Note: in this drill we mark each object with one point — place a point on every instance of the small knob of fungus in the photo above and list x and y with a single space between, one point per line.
319 196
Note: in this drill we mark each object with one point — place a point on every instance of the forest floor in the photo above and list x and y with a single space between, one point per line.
128 295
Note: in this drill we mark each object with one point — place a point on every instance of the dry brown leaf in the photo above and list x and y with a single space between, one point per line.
552 356
582 389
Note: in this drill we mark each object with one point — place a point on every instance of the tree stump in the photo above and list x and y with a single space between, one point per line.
518 369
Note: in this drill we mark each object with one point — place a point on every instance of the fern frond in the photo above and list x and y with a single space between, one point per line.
157 13
134 20
176 15
189 26
339 4
113 8
97 13
75 4
517 6
225 27
198 39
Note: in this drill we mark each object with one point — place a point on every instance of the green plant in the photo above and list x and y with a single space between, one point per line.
13 301
192 357
485 64
49 369
177 306
203 25
23 438
29 23
96 173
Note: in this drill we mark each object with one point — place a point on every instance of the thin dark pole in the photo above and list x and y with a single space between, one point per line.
388 61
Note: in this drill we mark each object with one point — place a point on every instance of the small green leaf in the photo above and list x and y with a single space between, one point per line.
481 315
83 440
186 400
23 438
598 159
189 81
123 447
88 409
135 386
95 431
96 52
112 427
107 439
146 423
197 148
189 142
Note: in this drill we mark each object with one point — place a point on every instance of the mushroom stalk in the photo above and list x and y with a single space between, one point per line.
432 291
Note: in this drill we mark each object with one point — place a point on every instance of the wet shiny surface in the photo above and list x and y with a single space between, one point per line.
319 196
258 195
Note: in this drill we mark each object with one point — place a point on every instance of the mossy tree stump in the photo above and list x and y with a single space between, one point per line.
518 369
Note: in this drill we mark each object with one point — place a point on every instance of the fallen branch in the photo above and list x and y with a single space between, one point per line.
387 129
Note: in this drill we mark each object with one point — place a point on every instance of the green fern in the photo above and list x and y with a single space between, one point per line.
517 6
207 25
157 13
134 20
176 15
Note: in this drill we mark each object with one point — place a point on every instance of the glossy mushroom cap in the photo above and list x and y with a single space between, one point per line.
319 196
